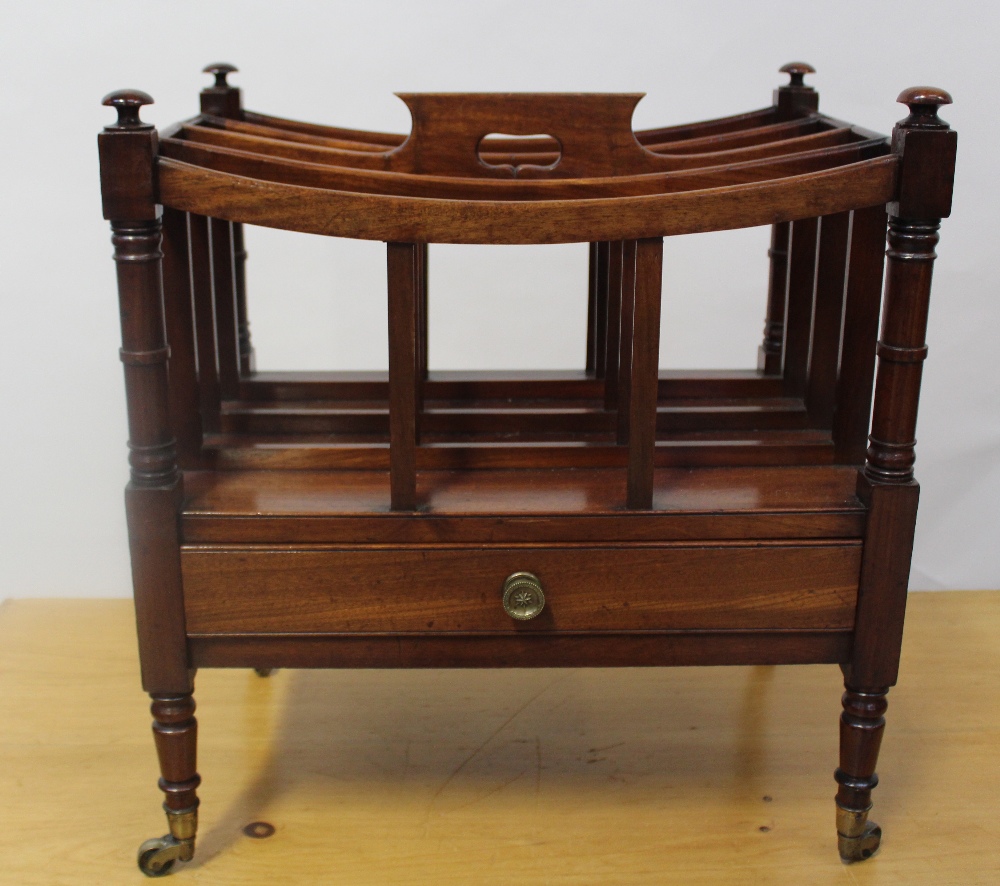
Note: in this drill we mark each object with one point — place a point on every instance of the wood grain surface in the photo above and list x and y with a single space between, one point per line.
759 586
699 776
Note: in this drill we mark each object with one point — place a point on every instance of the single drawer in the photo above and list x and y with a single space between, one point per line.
736 586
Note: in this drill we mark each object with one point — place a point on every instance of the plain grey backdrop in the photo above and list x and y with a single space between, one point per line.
315 303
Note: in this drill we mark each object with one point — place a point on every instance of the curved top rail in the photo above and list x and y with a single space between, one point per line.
547 136
346 178
523 168
720 152
371 216
543 150
677 132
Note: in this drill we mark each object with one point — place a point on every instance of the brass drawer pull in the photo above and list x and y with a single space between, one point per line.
523 597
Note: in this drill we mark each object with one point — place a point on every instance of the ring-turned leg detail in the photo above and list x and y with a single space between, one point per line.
861 727
176 733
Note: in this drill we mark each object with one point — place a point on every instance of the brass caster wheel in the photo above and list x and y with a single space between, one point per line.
157 856
264 672
857 838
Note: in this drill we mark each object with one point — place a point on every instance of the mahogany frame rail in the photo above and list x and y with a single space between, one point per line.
412 519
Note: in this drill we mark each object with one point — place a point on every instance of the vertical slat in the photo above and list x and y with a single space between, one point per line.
857 357
224 289
246 353
591 363
771 349
645 359
627 335
182 366
799 310
204 314
402 278
422 314
613 336
601 308
828 314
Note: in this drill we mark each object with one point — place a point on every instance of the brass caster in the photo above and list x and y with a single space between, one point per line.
857 838
157 856
264 672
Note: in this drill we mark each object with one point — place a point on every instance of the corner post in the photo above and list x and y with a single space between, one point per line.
153 496
925 146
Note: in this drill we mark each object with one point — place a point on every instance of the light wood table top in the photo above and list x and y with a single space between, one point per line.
593 776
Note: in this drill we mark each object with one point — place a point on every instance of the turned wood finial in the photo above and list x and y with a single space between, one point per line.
221 70
127 102
221 99
923 102
795 97
796 71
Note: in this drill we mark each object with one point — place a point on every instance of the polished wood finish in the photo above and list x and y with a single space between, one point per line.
769 357
403 373
175 732
386 217
645 313
511 506
351 519
860 331
154 491
799 311
608 589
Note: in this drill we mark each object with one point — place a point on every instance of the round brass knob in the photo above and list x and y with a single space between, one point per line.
523 597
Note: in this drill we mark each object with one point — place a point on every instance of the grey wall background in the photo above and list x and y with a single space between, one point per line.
62 452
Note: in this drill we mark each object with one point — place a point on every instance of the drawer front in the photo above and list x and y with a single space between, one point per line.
460 589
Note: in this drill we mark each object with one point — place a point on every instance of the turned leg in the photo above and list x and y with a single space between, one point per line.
175 731
861 726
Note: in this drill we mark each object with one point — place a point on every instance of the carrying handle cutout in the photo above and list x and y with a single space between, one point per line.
457 134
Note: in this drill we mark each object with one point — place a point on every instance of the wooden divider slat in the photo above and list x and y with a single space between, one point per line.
204 315
799 312
626 339
224 289
613 336
403 383
861 313
182 365
831 272
643 375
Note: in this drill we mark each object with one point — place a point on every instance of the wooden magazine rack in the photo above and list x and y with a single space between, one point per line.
618 515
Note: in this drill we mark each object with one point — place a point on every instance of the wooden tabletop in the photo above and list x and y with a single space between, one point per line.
693 776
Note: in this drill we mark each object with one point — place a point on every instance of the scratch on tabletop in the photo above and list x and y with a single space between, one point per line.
479 748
